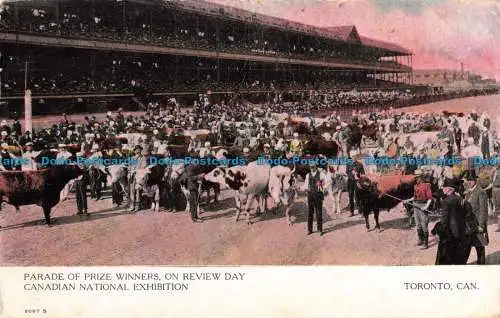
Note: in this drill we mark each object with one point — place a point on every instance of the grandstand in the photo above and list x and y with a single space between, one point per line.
104 50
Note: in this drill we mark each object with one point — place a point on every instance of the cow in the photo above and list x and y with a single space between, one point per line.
317 145
377 193
281 189
181 173
336 185
148 182
97 175
249 182
354 138
40 187
119 183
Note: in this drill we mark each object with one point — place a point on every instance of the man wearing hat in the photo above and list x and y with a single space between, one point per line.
391 150
140 161
205 150
29 156
354 172
477 198
422 198
296 145
267 151
474 133
457 134
454 244
81 184
485 143
314 185
63 152
287 130
408 145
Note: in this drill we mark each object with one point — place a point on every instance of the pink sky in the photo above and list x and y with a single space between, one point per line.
441 33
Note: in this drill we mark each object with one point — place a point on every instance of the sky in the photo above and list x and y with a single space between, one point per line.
441 33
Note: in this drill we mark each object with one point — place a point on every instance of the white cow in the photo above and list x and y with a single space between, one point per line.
117 178
336 185
172 174
249 182
141 180
282 189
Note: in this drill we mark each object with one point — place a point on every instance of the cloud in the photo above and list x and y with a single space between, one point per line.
413 6
441 33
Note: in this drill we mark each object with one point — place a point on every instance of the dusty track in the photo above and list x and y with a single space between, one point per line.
115 237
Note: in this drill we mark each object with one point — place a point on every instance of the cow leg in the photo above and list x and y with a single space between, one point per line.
264 203
155 206
46 213
366 214
216 193
137 200
238 207
376 213
247 207
186 194
337 198
288 215
132 195
208 195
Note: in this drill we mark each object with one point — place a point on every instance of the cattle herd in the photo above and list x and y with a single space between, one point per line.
235 149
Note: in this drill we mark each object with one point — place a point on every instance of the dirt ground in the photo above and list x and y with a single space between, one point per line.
115 237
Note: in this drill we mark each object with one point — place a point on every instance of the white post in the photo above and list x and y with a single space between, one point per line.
28 124
1 69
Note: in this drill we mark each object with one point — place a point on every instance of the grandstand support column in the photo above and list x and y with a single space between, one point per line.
93 22
217 48
124 18
92 65
176 71
411 67
56 9
28 122
151 8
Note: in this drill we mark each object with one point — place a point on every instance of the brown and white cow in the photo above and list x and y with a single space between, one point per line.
249 182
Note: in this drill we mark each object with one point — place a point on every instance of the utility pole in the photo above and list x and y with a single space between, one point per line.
28 123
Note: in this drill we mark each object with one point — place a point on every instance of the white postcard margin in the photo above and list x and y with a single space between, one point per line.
267 291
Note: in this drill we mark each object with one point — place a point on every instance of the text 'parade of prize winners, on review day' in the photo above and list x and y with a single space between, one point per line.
151 281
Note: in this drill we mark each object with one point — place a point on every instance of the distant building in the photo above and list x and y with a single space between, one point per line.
450 79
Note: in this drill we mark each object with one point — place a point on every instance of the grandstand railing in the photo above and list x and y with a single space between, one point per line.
184 48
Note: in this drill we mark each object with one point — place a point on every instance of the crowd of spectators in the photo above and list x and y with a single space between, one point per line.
120 21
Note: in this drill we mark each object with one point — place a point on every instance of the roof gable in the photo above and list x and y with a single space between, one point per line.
347 33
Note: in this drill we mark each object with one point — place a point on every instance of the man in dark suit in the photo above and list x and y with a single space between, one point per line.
314 185
454 244
354 171
478 200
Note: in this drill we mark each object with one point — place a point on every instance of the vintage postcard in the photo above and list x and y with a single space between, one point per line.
202 140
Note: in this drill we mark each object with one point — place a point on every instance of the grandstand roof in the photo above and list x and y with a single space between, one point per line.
348 34
339 33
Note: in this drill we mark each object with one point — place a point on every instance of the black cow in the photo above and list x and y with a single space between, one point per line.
317 145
